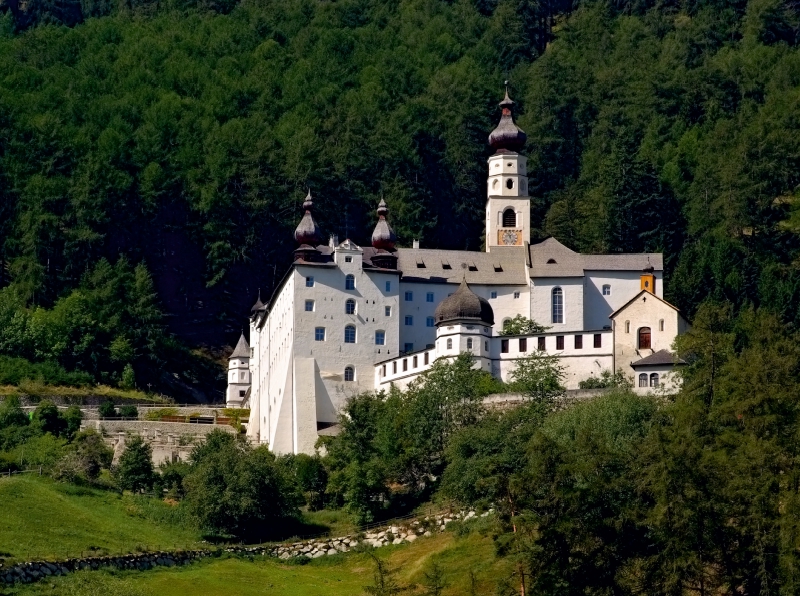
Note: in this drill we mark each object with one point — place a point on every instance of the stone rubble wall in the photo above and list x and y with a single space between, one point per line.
400 533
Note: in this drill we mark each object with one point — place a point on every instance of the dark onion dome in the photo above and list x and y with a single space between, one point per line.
507 136
258 305
383 238
308 231
464 304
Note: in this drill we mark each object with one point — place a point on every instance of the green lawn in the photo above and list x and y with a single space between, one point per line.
40 518
342 575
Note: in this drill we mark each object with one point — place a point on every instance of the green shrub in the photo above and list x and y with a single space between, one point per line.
135 469
107 409
159 413
14 371
128 411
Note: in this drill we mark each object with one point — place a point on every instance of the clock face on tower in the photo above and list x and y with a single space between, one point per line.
509 237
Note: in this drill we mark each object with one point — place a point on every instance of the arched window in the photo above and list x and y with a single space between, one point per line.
510 183
350 306
349 373
509 218
627 326
494 184
449 344
654 379
349 334
506 323
643 380
644 338
350 282
469 343
558 306
661 324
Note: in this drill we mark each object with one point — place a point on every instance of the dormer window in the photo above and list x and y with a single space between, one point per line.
348 259
551 262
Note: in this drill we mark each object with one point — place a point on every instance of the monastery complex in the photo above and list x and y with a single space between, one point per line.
347 319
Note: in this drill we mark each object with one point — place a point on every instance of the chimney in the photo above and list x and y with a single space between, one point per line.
333 242
416 243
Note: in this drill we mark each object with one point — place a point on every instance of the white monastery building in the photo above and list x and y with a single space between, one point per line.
347 319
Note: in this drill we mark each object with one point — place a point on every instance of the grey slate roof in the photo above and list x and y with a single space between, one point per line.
659 358
242 349
550 258
502 266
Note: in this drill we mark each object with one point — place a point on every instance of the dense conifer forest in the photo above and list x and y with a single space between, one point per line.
154 155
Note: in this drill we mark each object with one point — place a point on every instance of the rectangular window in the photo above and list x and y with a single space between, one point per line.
242 392
309 282
394 367
559 342
429 322
405 364
380 338
516 294
319 334
429 297
493 295
387 310
523 344
578 342
383 370
409 296
309 306
598 340
409 320
408 347
348 259
426 358
504 346
606 290
414 362
388 286
541 346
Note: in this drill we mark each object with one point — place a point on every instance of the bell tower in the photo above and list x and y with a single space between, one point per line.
508 205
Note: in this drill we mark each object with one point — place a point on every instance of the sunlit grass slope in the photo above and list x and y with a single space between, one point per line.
43 518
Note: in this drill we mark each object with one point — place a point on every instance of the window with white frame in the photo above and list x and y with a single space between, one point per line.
387 310
348 259
380 338
469 343
350 334
310 281
449 343
349 282
654 379
350 306
309 306
349 373
557 306
606 289
319 334
643 380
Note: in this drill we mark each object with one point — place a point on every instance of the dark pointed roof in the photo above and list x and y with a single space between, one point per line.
242 349
383 237
464 304
507 136
258 305
308 231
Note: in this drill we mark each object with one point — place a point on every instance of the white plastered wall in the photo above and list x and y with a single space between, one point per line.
624 286
541 302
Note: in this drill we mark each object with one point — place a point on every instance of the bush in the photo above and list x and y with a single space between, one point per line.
159 413
13 371
48 419
135 469
107 409
128 411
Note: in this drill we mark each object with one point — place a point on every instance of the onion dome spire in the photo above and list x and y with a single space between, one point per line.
308 231
464 304
507 136
383 238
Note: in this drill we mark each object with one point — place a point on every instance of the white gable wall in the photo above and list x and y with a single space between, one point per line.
624 285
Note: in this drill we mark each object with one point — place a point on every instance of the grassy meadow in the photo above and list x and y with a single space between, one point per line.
340 575
41 518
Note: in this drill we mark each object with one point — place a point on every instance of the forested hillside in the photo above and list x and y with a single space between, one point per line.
182 136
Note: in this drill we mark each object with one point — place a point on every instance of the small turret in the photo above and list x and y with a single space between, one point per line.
258 306
238 374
